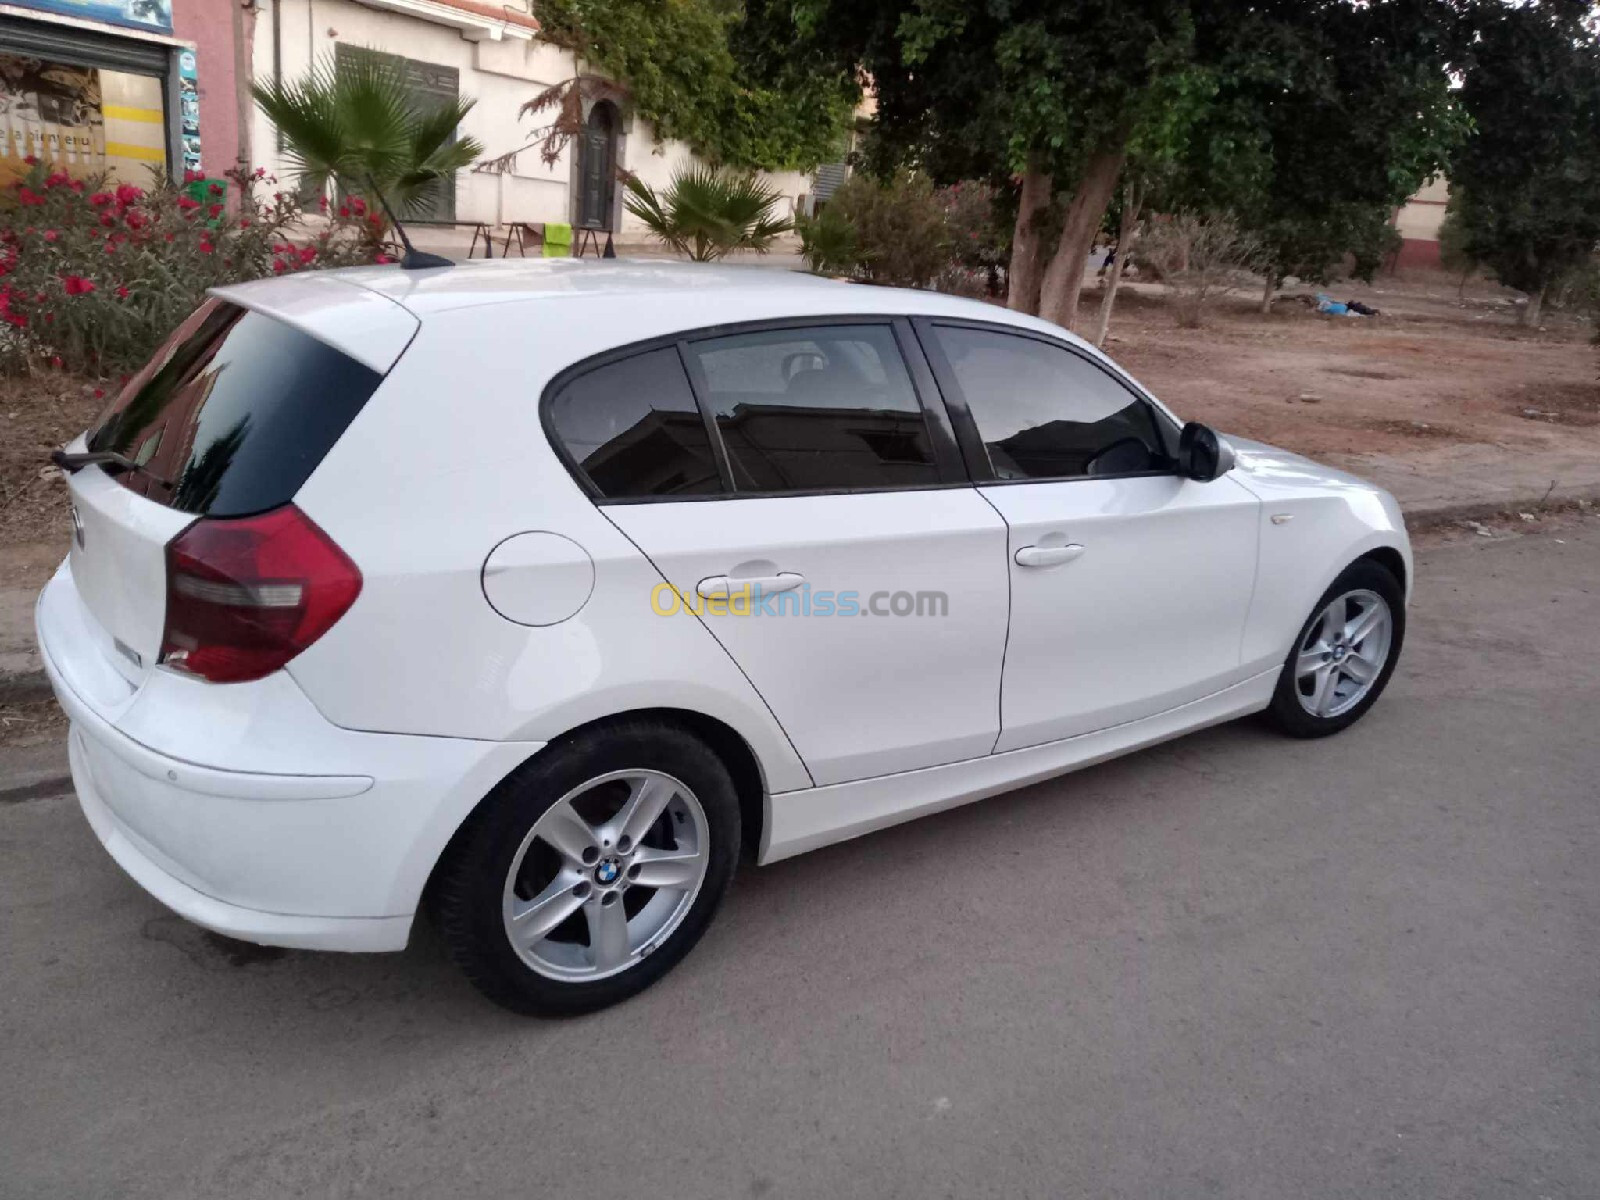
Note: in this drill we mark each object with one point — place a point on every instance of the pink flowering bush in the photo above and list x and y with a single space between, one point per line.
93 275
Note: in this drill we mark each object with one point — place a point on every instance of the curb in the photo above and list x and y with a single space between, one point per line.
1425 517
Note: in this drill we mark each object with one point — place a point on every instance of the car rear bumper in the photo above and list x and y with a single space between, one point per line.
243 809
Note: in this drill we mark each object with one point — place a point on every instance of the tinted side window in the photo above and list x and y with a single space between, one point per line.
1045 413
826 408
633 428
233 413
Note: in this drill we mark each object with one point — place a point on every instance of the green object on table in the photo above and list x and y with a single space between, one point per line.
557 239
199 190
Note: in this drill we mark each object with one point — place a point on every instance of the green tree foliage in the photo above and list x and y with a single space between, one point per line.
1064 97
361 125
724 77
707 213
1330 130
1527 184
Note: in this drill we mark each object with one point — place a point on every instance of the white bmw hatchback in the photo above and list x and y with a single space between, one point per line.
527 593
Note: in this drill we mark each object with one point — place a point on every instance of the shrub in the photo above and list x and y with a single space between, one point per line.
899 227
980 236
94 274
706 213
1199 258
827 242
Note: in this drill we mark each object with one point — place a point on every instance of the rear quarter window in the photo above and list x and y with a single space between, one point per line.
233 413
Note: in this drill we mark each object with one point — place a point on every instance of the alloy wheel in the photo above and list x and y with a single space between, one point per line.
1344 653
606 875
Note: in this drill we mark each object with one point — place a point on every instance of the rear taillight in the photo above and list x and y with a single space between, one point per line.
244 596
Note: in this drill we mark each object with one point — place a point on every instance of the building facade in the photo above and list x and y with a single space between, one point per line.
493 54
120 86
1418 222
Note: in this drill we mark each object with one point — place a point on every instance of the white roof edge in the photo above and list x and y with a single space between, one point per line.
355 320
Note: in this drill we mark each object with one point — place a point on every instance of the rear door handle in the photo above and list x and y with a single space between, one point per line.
1047 556
715 586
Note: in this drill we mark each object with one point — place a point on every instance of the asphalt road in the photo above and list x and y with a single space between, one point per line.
1234 966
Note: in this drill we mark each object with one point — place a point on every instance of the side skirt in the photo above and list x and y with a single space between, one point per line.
814 817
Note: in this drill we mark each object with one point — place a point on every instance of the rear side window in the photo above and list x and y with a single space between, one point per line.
233 413
828 408
1045 413
632 427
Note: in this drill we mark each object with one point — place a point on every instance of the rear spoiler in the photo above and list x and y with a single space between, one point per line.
369 327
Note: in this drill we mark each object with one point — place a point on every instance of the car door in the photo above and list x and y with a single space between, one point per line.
1130 584
802 500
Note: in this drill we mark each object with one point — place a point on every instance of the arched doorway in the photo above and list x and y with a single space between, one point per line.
597 166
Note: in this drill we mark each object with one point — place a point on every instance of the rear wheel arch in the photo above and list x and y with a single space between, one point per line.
721 739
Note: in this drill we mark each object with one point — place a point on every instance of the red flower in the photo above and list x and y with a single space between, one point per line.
168 236
76 185
32 160
206 247
26 195
382 258
188 203
322 203
261 172
99 393
136 220
344 210
107 220
128 194
244 223
122 293
51 235
358 205
279 266
215 210
111 246
77 285
55 361
307 253
189 175
101 199
57 179
217 189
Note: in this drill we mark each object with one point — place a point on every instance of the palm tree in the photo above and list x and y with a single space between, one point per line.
359 124
706 212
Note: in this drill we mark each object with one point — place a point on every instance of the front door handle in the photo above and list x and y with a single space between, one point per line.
715 586
1047 556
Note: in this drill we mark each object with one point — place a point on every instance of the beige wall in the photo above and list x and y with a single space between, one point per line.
501 74
1420 217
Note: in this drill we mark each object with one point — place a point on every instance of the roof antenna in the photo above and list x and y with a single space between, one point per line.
414 260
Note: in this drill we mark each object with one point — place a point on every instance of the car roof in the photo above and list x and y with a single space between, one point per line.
621 300
718 293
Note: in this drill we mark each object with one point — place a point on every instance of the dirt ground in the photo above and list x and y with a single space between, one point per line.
1430 371
37 414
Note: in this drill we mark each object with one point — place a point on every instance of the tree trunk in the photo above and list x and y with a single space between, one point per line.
1025 275
1131 200
1533 309
1270 291
1058 300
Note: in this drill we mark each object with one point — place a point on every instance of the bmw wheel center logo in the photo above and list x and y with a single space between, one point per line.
607 871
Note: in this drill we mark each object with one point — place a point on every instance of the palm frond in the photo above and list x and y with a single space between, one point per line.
706 212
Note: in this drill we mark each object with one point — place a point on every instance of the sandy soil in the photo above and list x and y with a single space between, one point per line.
37 414
1426 373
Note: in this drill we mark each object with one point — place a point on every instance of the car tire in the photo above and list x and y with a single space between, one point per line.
1317 693
520 862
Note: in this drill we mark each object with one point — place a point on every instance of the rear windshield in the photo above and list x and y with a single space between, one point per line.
233 413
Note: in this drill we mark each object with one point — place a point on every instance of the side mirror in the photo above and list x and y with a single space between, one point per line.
1202 455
